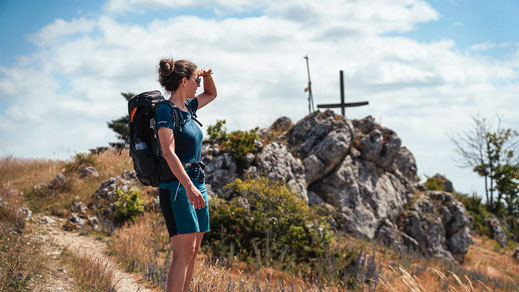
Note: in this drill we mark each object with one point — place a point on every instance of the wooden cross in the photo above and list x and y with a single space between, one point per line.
342 105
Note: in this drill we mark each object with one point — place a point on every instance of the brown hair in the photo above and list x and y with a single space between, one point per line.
171 72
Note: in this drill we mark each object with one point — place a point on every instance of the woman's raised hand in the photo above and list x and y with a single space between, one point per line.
205 72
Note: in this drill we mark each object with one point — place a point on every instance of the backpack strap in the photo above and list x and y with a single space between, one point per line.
193 114
178 122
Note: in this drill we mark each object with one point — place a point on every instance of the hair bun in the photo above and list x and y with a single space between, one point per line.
166 66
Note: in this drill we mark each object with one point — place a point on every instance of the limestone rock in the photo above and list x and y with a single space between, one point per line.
47 220
109 187
58 182
74 223
497 232
277 163
79 207
129 175
88 171
26 212
220 170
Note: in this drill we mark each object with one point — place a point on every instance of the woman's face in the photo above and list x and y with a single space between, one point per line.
193 84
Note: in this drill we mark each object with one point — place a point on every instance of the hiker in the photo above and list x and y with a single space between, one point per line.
182 191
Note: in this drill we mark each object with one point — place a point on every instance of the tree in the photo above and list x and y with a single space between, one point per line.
491 155
120 126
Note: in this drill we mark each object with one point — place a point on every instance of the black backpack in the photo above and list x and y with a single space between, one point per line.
144 144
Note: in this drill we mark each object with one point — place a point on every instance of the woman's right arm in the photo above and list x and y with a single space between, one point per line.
167 144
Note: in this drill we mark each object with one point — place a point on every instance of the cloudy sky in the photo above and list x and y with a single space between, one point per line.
424 66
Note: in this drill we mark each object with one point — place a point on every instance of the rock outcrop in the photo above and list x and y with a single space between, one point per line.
358 171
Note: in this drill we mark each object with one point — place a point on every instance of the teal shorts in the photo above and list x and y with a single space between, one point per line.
180 216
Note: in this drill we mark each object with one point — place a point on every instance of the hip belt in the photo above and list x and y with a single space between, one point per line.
196 167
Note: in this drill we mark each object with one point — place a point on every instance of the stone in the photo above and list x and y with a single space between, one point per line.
79 207
276 163
314 199
26 212
38 188
371 145
108 188
281 124
88 171
516 254
497 232
448 187
365 125
46 220
74 223
58 182
129 175
406 163
220 170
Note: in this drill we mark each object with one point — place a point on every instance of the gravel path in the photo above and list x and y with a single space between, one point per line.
55 239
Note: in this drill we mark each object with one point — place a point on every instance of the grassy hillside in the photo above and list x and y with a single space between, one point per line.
313 262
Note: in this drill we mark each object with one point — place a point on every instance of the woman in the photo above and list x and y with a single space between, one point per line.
183 196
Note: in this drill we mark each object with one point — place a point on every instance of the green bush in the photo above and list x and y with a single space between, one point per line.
434 184
127 206
266 217
477 210
217 133
238 143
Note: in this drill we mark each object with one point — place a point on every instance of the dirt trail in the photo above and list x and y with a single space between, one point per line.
80 245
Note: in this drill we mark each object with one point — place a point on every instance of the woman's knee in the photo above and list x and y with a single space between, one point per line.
184 246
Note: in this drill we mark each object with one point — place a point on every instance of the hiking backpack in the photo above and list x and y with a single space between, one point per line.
144 143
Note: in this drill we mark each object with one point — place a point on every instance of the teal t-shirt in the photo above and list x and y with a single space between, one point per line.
188 143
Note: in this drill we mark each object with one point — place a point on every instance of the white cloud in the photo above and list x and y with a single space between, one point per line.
61 96
59 29
140 5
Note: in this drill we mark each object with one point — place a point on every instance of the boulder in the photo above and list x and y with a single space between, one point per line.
74 223
129 175
220 169
281 124
79 207
497 232
440 225
516 254
58 182
26 213
448 187
88 171
109 187
47 220
364 193
277 163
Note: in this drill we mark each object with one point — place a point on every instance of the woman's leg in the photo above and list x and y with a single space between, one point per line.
191 266
184 246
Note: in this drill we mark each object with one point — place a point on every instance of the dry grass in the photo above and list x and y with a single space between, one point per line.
90 273
139 243
20 173
20 260
144 246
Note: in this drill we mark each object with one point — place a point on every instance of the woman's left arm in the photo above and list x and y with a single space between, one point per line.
209 93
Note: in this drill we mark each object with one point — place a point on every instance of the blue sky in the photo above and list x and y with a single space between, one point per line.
425 66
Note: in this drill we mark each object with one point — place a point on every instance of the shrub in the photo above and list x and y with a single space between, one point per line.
266 216
217 133
81 159
434 184
127 206
238 143
477 210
